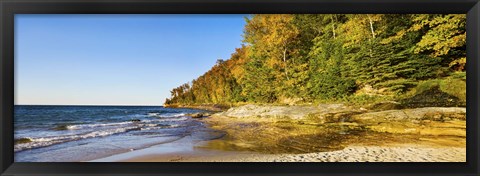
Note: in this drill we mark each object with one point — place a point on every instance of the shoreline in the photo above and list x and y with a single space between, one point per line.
335 134
393 153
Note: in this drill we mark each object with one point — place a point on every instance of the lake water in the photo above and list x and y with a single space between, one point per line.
82 133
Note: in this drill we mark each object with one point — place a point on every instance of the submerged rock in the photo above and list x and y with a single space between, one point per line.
61 127
196 115
22 140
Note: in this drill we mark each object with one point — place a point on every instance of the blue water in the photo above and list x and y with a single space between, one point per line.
82 133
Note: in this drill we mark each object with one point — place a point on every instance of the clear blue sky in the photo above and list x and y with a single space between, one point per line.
116 59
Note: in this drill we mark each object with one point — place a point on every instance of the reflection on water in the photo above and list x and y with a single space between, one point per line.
299 137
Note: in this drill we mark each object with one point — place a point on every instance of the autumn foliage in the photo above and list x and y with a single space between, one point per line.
308 58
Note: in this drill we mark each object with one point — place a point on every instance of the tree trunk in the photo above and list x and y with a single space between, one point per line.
373 32
285 61
371 26
333 28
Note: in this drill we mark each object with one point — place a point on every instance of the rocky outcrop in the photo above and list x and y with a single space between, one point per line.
434 121
449 121
429 113
329 127
289 112
340 113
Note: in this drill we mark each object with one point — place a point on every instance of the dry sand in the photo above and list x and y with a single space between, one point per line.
399 153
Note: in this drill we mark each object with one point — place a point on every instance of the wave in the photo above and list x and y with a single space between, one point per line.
183 118
166 115
48 141
126 123
99 129
31 143
83 126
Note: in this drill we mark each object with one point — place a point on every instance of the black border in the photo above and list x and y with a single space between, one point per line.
10 7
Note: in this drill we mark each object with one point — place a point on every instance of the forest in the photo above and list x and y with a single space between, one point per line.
319 58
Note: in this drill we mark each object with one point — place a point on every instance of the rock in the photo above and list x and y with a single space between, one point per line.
279 112
196 115
381 116
22 140
135 120
453 128
430 113
386 105
437 113
61 127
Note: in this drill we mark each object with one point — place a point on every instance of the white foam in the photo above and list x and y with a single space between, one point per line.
102 129
83 126
166 115
172 115
47 141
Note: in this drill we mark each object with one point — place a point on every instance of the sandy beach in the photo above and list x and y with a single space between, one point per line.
349 154
410 136
400 153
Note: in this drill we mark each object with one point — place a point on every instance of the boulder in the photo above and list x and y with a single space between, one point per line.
196 115
135 120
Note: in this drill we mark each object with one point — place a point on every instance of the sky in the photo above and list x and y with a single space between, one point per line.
116 59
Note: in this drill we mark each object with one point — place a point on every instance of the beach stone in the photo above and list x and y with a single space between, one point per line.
196 115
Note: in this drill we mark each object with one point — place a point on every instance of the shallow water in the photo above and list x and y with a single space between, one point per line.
295 137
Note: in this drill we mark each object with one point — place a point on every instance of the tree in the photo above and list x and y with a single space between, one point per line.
444 36
331 56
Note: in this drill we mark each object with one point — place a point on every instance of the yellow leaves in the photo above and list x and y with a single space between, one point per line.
271 33
238 60
273 62
358 28
444 33
458 64
420 20
398 36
